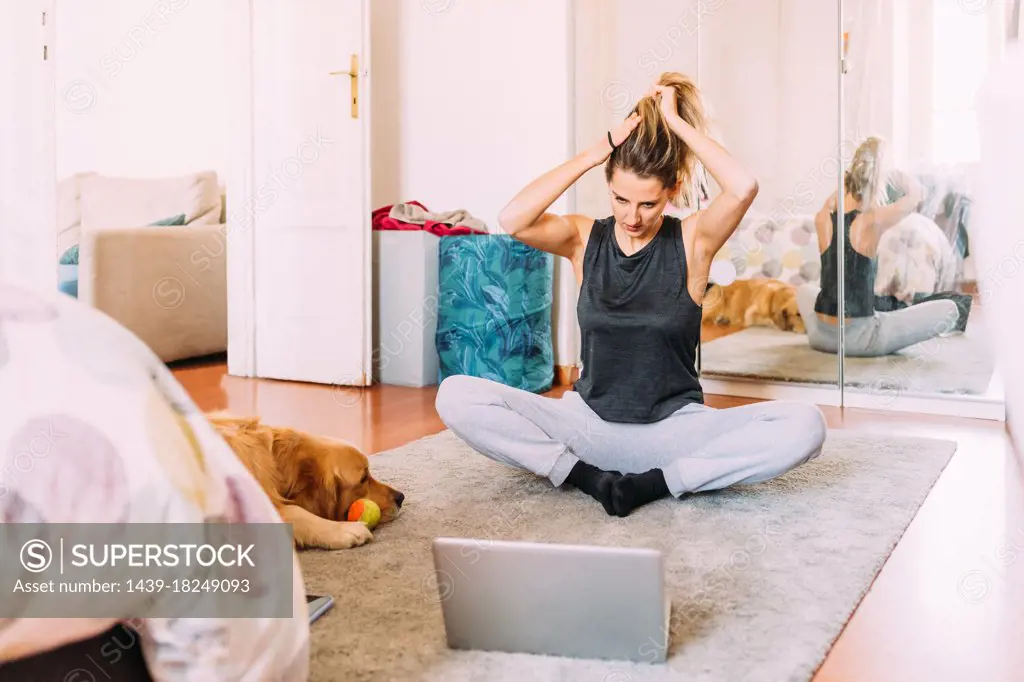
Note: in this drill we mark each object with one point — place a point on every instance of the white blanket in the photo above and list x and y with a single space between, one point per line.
914 257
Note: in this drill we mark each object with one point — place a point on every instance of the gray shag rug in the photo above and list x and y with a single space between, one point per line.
957 364
762 578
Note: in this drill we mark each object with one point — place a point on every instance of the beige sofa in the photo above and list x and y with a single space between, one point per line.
167 284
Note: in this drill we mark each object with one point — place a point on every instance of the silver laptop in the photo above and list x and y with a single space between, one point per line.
562 600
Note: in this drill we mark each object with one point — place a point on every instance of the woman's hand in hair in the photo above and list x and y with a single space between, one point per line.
620 133
666 98
909 185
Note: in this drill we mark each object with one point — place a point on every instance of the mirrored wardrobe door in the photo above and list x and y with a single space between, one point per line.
769 74
915 326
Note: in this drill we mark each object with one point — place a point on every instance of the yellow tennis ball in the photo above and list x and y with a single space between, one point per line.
365 510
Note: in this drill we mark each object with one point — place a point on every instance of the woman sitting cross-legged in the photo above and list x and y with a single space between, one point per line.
635 428
868 332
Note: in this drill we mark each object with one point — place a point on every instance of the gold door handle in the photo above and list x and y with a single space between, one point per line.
353 74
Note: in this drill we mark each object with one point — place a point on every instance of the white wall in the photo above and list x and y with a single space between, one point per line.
621 48
472 101
997 240
465 114
141 86
769 72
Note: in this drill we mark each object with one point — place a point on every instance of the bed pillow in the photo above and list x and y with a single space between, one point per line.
97 430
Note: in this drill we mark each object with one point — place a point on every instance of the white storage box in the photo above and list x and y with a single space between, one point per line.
405 307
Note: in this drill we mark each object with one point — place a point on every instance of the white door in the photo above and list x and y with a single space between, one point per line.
28 248
311 236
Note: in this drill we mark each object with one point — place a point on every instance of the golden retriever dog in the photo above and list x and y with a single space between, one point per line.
311 480
753 303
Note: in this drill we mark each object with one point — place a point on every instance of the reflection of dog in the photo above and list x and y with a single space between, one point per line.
754 303
312 481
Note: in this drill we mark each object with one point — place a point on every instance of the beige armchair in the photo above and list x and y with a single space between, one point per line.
166 284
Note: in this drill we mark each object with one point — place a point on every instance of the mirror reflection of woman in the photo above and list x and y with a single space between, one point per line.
868 332
635 428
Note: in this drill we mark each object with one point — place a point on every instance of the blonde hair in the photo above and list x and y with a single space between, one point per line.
653 150
865 178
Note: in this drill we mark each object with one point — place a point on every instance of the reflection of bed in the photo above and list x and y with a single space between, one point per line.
958 364
914 257
925 253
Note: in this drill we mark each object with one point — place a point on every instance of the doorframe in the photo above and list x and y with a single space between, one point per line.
48 23
31 219
366 97
241 182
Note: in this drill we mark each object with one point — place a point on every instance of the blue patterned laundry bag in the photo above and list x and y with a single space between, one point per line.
494 311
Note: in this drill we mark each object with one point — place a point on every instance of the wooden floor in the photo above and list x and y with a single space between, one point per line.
947 605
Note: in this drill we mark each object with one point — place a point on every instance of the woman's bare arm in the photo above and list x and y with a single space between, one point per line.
526 218
823 221
868 228
884 217
719 220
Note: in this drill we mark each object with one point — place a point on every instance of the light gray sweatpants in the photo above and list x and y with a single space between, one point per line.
698 447
881 334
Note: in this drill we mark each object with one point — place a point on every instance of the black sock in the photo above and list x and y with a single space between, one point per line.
594 482
635 490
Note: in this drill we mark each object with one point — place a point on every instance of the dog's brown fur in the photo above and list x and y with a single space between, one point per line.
311 480
754 303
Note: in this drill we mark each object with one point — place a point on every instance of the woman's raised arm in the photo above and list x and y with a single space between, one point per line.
525 217
719 220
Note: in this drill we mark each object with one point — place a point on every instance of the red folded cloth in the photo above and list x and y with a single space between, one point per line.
383 221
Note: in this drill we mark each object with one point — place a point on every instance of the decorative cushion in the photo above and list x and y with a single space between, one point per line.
494 311
170 222
131 202
67 277
70 257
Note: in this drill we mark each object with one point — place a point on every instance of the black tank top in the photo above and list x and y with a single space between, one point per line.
859 275
639 327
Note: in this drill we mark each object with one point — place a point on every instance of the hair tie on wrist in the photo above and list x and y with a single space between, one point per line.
614 146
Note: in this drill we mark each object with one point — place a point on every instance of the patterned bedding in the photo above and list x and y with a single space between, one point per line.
913 257
96 429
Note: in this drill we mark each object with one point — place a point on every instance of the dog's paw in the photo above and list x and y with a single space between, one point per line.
350 534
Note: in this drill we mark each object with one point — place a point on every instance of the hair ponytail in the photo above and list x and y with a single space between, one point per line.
864 178
655 151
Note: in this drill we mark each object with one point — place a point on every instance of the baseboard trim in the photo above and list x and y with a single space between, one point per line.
566 375
976 407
